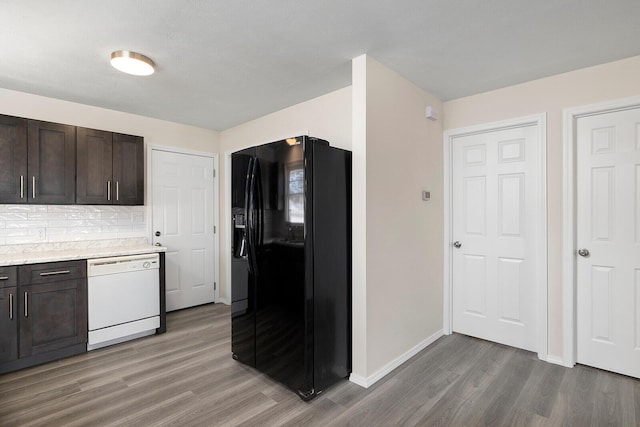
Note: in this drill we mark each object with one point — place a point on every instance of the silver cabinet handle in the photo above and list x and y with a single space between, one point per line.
457 244
10 306
22 186
53 273
4 278
33 187
583 252
26 304
117 191
109 190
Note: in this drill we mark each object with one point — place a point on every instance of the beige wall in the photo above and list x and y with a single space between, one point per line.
154 131
327 117
359 217
403 277
610 81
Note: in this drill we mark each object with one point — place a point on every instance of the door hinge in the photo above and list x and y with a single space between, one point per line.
214 229
214 173
215 286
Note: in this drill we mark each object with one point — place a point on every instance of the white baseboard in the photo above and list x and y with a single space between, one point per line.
224 301
358 380
367 382
558 361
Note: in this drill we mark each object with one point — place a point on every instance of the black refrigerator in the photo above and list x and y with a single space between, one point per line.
291 264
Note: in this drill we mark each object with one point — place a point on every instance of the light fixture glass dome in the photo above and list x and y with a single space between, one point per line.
132 63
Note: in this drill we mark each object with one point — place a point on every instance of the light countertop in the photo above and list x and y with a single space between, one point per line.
34 254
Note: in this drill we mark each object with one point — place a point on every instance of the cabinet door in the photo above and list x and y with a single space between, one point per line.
128 169
94 180
13 159
52 316
51 163
8 324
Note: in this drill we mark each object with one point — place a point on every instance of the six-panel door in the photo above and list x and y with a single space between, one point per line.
183 214
496 224
608 228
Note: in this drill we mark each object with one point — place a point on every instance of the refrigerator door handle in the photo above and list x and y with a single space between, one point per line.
248 213
253 266
260 208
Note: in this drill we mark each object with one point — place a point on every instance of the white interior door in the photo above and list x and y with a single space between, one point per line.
496 233
608 227
183 220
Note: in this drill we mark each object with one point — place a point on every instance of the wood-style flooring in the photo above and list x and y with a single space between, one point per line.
187 377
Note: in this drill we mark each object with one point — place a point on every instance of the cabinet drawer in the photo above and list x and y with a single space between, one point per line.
36 274
8 277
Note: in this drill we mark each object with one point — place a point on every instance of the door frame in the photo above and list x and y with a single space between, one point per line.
539 121
216 200
569 220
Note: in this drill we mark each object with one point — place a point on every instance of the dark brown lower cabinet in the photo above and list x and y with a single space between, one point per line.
49 313
8 325
53 316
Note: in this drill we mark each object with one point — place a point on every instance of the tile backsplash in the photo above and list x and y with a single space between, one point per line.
59 223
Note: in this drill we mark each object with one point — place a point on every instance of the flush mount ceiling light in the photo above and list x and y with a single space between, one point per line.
132 63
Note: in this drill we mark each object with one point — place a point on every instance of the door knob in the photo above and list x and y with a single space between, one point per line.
158 244
158 234
583 252
457 244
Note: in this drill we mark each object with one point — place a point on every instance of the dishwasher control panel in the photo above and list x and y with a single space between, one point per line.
122 264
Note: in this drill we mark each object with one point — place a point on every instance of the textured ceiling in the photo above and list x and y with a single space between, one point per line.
223 62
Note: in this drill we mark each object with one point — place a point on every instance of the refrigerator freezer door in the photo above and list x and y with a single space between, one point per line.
242 281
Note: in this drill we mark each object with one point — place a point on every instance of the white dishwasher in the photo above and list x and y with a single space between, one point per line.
124 298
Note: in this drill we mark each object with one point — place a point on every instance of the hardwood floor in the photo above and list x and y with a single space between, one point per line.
187 377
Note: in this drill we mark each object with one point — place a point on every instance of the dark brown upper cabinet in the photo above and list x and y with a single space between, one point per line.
94 180
56 164
37 162
110 168
51 163
13 159
128 169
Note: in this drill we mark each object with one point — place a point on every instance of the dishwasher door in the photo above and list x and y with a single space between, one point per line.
123 298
